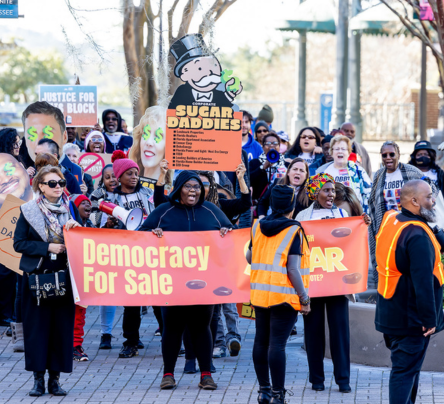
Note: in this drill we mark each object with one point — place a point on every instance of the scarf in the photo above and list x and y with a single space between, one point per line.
55 214
377 207
277 170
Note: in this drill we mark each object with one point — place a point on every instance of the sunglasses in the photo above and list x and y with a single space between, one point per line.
17 144
97 139
385 155
206 184
53 183
110 119
308 137
262 131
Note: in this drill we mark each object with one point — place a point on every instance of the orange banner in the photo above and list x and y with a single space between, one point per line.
339 256
204 138
127 268
338 262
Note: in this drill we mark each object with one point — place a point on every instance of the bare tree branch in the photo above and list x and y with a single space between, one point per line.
187 16
170 21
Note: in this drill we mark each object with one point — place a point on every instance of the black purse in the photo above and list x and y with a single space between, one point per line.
48 286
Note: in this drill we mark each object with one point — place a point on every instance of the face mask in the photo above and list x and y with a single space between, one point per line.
282 148
423 161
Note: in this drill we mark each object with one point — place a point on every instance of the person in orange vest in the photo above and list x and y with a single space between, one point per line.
280 270
410 293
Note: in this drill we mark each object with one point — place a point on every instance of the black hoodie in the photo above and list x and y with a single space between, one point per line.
125 141
275 223
174 216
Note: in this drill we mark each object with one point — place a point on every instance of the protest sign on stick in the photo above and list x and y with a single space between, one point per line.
79 104
204 131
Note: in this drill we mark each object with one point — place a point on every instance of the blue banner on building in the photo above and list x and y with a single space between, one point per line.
325 108
9 9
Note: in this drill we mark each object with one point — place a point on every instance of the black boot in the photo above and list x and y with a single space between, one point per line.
278 397
54 384
39 385
264 395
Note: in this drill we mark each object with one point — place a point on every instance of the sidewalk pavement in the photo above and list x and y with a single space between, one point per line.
108 379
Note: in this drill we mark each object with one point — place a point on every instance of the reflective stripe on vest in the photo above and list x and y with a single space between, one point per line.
386 242
270 284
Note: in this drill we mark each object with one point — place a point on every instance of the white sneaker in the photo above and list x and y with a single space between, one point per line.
219 352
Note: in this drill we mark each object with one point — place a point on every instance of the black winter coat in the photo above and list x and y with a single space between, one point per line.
174 216
417 301
48 328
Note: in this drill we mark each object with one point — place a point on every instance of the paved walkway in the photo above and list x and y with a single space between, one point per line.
107 379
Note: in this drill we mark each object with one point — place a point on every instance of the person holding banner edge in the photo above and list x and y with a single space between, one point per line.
129 195
187 210
280 271
320 188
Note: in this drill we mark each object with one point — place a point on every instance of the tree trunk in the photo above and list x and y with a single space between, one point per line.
132 61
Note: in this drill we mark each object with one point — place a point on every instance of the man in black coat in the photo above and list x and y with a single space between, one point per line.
409 302
202 74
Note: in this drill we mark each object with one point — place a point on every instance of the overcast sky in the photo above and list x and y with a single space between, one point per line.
249 22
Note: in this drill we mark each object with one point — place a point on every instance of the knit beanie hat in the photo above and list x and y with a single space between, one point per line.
89 137
77 199
283 199
121 163
259 124
266 114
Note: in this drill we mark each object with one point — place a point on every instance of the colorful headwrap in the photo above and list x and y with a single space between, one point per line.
315 183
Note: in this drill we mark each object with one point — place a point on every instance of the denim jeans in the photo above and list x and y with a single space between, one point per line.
232 322
407 356
107 314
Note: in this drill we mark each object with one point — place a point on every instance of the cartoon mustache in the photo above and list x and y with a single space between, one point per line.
205 81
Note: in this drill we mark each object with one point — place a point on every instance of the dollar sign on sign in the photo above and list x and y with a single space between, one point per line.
32 132
9 169
47 131
146 132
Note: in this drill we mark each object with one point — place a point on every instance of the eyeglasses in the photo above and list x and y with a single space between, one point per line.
17 144
262 131
271 143
53 183
340 149
308 137
384 155
110 118
189 187
97 139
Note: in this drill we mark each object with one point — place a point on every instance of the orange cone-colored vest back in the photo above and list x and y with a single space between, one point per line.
269 281
386 242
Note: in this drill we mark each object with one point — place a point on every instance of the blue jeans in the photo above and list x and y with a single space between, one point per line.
107 314
232 321
407 355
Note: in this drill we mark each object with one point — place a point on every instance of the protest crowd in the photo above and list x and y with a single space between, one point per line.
277 187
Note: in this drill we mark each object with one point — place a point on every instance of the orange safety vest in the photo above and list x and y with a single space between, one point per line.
270 284
386 241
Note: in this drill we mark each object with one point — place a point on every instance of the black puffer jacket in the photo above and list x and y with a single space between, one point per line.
174 216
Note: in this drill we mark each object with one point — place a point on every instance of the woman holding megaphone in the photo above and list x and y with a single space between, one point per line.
129 195
269 166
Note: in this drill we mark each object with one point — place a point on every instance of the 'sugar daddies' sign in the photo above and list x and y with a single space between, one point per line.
203 127
78 103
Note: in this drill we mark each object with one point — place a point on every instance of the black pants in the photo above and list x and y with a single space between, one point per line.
8 281
189 351
197 319
158 314
131 325
338 325
273 327
408 353
18 300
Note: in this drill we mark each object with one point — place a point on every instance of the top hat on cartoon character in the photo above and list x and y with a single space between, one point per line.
186 49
